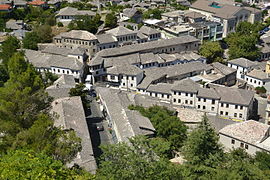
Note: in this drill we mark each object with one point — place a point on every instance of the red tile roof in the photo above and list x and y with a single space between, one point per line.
36 3
5 7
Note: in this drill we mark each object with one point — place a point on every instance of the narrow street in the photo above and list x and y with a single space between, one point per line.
98 138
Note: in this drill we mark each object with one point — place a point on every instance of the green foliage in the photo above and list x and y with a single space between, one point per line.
80 90
134 161
260 90
152 13
243 42
59 24
27 164
130 27
49 78
212 51
110 20
85 23
166 123
80 5
3 75
201 144
262 159
45 33
8 48
31 40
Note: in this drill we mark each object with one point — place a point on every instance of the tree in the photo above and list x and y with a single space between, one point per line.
31 40
201 144
243 43
212 51
27 164
134 161
167 125
153 13
262 159
59 24
8 48
260 90
79 90
110 20
45 33
3 75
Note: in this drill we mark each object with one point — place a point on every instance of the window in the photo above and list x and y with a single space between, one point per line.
174 93
186 94
174 100
112 77
199 99
226 113
168 96
242 145
236 106
125 84
162 95
241 107
221 104
131 85
240 115
213 101
246 146
204 100
199 106
179 100
233 141
212 108
191 102
179 93
132 78
203 107
221 112
59 70
235 114
227 105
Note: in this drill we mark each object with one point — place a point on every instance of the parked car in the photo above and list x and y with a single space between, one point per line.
100 127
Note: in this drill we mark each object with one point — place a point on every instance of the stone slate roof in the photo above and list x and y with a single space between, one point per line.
14 24
151 75
128 123
208 93
125 69
258 74
223 69
70 11
106 38
243 62
250 131
234 95
129 12
78 34
148 30
71 116
120 31
160 88
61 86
186 85
43 60
53 49
146 47
225 11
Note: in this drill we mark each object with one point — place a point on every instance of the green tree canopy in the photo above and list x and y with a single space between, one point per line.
135 161
212 51
8 48
110 20
31 40
27 164
153 13
201 144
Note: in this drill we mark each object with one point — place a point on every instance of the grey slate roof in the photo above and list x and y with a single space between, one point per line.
160 88
14 24
43 60
53 49
186 85
125 69
78 34
146 47
70 11
61 87
208 93
243 62
130 12
120 31
71 116
148 30
127 122
223 69
151 74
234 96
250 131
258 74
106 38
